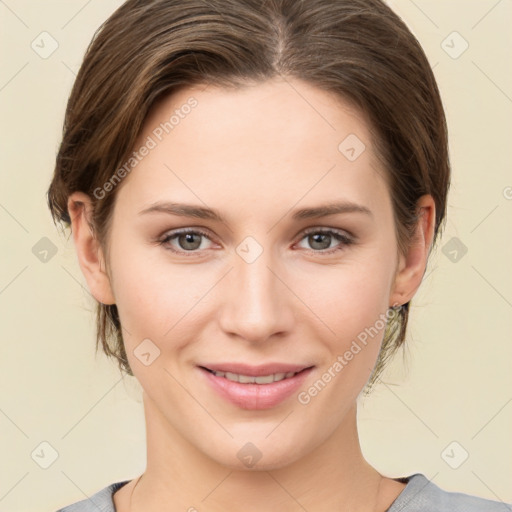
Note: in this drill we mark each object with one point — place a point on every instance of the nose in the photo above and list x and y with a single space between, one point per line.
256 304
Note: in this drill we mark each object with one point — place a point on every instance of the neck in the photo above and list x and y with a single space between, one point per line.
334 476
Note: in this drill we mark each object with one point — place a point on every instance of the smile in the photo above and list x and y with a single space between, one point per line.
255 388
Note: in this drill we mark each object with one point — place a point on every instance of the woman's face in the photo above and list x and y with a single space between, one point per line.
261 292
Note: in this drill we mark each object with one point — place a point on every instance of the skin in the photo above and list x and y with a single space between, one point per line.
256 155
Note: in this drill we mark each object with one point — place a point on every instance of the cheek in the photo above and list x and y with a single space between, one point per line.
157 299
358 321
350 297
353 304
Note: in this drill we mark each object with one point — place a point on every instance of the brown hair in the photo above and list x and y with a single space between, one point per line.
358 49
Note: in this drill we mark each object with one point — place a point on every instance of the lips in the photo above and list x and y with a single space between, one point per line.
255 387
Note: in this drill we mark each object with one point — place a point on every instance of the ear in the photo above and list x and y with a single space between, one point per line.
411 266
89 252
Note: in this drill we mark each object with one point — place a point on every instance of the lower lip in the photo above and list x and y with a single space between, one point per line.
256 396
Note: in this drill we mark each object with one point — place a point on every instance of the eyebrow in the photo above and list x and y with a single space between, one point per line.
199 212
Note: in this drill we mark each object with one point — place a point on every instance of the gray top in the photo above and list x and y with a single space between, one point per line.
419 495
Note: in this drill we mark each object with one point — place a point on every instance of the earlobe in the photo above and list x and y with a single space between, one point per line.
411 266
88 249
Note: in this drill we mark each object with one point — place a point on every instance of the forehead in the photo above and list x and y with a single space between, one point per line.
278 141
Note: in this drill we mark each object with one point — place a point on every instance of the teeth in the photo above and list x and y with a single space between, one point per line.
247 379
265 379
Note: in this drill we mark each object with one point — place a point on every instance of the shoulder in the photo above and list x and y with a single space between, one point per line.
421 495
99 502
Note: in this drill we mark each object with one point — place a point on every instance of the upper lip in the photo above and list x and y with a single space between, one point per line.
255 371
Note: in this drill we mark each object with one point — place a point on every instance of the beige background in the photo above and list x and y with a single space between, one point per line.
456 384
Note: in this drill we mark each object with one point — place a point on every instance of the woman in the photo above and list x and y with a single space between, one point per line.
210 152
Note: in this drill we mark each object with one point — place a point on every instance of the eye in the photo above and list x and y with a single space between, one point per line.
190 241
187 240
320 240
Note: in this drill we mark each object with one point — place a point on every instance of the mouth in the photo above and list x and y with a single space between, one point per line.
256 388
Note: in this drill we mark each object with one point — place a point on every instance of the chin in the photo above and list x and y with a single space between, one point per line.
258 454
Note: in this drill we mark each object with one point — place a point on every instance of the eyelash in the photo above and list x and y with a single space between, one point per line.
345 240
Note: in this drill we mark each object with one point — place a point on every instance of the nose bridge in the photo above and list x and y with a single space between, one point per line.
254 306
